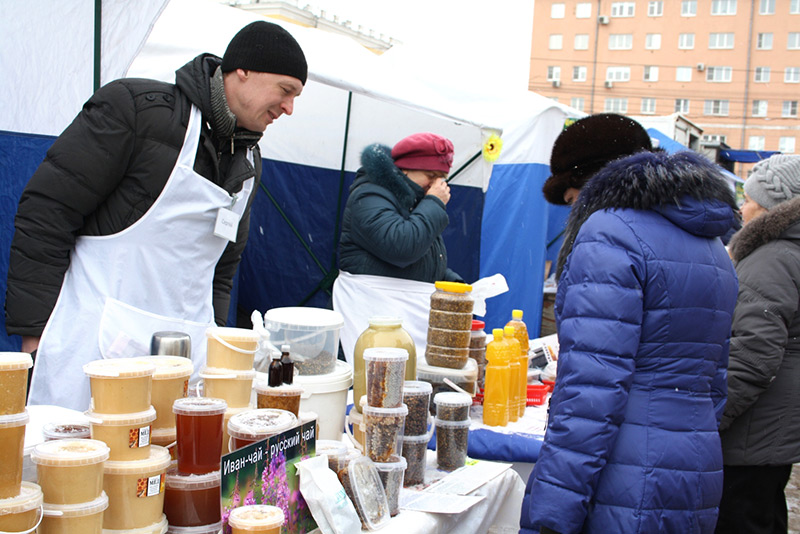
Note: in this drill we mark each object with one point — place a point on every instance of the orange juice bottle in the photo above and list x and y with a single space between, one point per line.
514 397
496 388
521 334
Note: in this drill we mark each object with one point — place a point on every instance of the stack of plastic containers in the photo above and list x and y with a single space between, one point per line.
449 325
170 382
20 502
70 473
477 349
121 416
252 426
452 429
417 397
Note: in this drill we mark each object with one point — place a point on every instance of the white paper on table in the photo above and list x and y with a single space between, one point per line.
485 288
437 503
469 478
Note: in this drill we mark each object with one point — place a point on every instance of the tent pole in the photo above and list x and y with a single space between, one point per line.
464 166
98 33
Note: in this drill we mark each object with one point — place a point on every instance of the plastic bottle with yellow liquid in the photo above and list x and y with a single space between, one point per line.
497 381
514 395
521 334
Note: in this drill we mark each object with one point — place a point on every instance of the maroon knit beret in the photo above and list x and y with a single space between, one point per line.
424 152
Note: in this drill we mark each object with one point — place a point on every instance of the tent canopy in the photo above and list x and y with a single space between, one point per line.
746 156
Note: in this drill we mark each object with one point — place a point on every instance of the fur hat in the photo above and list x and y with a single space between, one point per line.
586 146
424 152
265 47
774 180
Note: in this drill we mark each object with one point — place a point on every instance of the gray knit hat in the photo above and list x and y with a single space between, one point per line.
774 180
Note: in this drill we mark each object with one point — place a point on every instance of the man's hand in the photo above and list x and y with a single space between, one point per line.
441 190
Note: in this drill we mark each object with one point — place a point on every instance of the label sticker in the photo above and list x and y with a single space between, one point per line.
150 486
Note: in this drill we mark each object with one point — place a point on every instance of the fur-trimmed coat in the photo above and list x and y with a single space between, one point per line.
761 423
644 307
390 227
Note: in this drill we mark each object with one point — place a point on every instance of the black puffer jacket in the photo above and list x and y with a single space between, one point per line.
105 171
761 423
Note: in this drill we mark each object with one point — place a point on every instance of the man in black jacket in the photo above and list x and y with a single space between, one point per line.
137 218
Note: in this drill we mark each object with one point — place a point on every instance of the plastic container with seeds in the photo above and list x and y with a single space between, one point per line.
363 485
261 518
477 342
313 334
449 357
78 518
384 432
452 297
135 491
120 385
233 386
336 451
449 320
417 397
14 381
12 447
231 348
415 449
192 500
170 382
127 435
451 444
283 397
386 369
465 378
445 337
76 430
251 426
70 471
391 474
22 512
452 406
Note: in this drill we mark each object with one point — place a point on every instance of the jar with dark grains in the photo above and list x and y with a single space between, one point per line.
452 406
383 433
449 357
451 444
385 372
414 451
450 320
417 397
452 297
363 485
477 342
391 474
336 451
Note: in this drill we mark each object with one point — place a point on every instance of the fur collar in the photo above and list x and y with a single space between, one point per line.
684 185
379 169
765 228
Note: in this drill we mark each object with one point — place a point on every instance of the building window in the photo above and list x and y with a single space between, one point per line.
649 105
689 8
764 41
650 73
583 11
720 40
759 108
681 105
582 41
715 138
578 74
616 105
618 74
683 74
723 7
557 11
620 41
686 41
623 9
755 142
794 7
652 41
766 7
553 74
556 41
789 108
655 8
762 74
786 145
794 41
791 75
577 103
716 107
719 74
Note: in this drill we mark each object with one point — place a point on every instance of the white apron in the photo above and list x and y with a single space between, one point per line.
361 296
155 275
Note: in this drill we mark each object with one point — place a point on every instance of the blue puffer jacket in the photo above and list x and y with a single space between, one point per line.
644 306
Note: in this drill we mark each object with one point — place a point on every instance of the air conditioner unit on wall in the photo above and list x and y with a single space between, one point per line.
603 19
556 83
701 67
609 84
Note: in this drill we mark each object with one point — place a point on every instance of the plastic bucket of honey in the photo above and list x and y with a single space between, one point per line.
22 513
120 385
260 518
135 491
192 500
231 348
251 426
159 527
233 386
127 435
70 471
14 381
12 449
81 518
199 434
170 382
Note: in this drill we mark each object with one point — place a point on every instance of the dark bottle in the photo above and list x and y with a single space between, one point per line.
275 373
288 365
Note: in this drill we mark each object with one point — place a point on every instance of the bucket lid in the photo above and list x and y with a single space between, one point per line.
230 333
384 412
180 482
259 423
158 461
67 430
229 374
159 527
119 368
14 419
29 498
284 390
415 388
437 374
15 361
341 378
121 419
70 452
385 354
199 406
452 399
367 489
454 424
330 447
256 515
77 510
302 318
202 529
169 367
395 463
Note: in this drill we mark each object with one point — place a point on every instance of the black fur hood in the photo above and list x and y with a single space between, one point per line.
685 187
377 167
782 221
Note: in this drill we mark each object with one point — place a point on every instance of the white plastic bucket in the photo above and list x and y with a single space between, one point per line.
326 395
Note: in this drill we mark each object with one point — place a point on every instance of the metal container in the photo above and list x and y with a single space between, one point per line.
171 344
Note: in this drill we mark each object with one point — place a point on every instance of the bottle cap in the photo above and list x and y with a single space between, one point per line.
276 355
285 348
508 330
477 325
497 333
516 314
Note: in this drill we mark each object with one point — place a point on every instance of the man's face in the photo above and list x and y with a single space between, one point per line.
259 98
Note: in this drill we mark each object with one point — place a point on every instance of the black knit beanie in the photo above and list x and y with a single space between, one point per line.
266 47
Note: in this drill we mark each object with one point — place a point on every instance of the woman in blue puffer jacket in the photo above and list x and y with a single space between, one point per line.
646 293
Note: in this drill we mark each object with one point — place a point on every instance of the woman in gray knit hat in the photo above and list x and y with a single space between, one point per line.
760 427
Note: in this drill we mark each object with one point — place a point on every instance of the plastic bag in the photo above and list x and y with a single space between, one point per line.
332 509
263 355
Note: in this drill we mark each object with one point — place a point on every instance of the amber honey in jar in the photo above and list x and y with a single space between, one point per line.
283 397
79 518
135 491
120 385
22 512
12 443
70 471
233 386
198 424
192 500
127 435
14 381
261 518
170 382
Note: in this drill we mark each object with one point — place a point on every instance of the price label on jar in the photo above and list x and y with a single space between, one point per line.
150 486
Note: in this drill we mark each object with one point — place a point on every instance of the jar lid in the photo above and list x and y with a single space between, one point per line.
284 390
385 320
260 423
70 452
414 388
367 489
158 460
385 354
423 438
200 406
229 374
119 368
385 412
14 419
15 361
29 498
302 318
121 419
67 430
453 287
169 367
452 424
330 447
477 325
202 529
452 399
76 510
181 482
256 515
163 435
395 463
159 527
230 333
